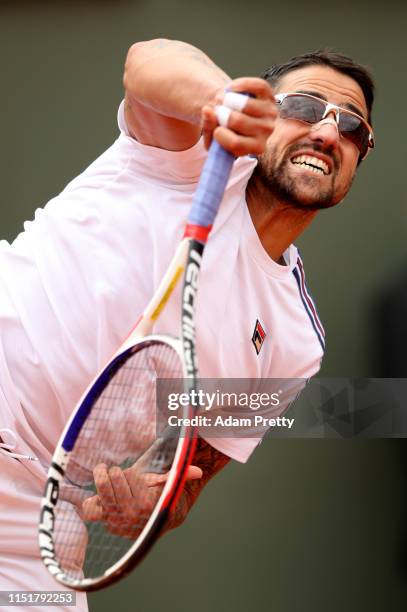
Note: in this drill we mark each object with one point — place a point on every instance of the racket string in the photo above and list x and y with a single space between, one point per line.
120 431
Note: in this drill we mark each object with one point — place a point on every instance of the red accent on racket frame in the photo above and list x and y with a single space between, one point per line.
188 460
197 232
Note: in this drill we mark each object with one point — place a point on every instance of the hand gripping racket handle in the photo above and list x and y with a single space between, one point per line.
209 193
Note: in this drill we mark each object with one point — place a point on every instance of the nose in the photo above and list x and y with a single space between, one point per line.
326 132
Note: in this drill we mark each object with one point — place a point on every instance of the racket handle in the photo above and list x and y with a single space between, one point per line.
211 186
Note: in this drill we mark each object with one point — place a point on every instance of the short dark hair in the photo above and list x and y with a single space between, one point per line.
326 57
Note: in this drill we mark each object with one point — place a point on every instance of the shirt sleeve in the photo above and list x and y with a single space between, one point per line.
177 168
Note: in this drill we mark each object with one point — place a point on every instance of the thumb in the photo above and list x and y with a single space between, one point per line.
193 473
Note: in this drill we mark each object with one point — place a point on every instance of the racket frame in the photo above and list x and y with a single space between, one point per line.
183 454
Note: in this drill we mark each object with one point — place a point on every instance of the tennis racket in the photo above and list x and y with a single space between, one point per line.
85 544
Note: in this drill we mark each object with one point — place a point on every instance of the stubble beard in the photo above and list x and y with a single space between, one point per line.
301 192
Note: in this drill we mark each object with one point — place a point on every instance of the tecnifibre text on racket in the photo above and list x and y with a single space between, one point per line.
111 426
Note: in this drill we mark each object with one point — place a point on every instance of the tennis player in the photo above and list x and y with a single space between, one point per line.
76 279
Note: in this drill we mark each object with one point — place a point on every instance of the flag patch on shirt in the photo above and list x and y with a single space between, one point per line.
258 336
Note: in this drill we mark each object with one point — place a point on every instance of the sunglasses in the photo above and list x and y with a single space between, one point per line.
310 109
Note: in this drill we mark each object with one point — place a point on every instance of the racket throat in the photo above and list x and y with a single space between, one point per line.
189 298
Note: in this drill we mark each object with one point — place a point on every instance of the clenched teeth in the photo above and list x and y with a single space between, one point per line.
312 163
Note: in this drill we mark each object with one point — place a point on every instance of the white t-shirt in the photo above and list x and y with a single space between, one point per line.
75 281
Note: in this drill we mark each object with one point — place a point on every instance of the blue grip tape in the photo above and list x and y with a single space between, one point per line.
211 186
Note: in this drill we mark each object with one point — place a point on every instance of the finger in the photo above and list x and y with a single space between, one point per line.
234 100
92 509
134 507
143 497
193 473
256 86
140 482
256 107
223 114
122 494
120 486
134 502
260 108
238 144
207 139
154 480
209 123
249 126
104 487
209 119
260 119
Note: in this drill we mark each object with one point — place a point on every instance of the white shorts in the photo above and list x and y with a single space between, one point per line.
21 568
18 573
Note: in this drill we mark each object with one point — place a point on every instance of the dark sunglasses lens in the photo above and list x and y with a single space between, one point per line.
302 108
354 130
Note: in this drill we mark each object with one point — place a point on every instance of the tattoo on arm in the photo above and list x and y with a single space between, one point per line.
211 461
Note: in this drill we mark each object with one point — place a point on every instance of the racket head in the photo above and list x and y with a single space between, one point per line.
114 425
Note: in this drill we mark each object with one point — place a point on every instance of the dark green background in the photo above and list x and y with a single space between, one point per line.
304 525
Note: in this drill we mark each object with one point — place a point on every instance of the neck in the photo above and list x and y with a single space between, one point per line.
278 224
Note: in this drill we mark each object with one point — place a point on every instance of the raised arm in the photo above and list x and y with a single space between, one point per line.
171 89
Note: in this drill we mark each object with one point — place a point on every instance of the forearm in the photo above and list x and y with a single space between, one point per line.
172 78
211 461
171 91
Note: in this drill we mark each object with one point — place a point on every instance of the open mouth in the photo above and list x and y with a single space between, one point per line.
309 162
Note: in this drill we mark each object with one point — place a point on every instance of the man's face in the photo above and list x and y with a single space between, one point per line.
297 184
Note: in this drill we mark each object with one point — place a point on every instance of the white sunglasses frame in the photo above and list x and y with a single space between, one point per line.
329 108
